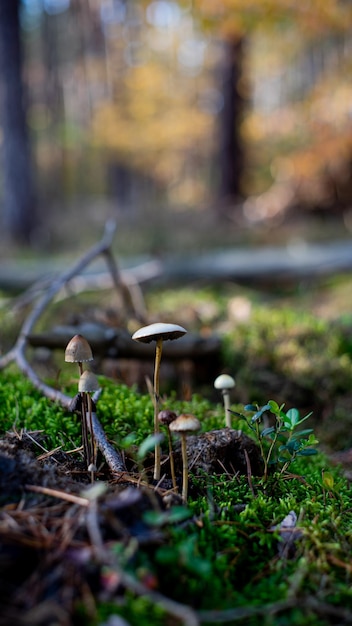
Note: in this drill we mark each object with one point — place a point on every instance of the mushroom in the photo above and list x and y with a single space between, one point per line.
79 351
87 384
165 417
158 332
184 425
224 382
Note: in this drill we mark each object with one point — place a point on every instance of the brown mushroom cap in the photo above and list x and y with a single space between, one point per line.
88 382
185 424
166 417
78 350
159 330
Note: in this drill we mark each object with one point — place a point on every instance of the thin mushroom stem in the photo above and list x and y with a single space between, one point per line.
85 440
185 467
92 449
172 462
157 451
226 396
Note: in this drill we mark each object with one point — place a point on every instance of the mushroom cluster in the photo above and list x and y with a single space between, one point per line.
79 351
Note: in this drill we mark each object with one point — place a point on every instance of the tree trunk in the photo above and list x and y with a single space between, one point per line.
18 198
230 145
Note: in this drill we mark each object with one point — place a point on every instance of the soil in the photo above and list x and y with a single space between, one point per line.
56 527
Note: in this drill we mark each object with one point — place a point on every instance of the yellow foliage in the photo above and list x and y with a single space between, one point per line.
154 122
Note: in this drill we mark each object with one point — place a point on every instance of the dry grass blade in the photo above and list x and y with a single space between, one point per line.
56 493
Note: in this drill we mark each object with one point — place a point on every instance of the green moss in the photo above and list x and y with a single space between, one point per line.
22 406
300 360
227 553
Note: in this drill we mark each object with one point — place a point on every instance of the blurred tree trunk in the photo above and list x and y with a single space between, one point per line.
230 159
18 198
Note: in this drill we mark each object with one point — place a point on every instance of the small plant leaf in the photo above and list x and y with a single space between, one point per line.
274 406
307 452
148 445
303 419
268 431
257 416
237 414
250 407
292 418
328 480
302 433
173 516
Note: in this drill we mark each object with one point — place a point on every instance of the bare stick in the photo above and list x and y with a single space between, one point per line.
111 455
57 493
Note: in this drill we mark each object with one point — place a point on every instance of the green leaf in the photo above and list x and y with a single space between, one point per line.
274 407
305 417
237 414
301 433
268 431
307 452
148 445
312 440
173 516
292 418
258 415
328 480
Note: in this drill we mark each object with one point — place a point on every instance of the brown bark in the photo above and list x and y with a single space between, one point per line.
230 144
18 196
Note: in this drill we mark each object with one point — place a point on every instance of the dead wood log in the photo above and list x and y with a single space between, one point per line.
117 342
271 265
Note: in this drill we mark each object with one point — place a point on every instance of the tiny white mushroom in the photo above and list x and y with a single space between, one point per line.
185 424
224 383
158 332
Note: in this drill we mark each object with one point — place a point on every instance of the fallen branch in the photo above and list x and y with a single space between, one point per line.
309 604
106 341
17 354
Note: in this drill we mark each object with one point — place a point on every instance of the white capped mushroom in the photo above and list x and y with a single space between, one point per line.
224 383
185 424
158 332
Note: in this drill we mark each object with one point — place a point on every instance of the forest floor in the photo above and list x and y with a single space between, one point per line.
64 541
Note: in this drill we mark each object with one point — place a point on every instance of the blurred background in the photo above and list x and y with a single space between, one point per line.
194 124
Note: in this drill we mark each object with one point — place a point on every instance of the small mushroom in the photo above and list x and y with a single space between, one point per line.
158 332
78 351
165 417
185 424
224 383
87 384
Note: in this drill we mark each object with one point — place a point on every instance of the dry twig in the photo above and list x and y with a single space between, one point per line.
18 353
